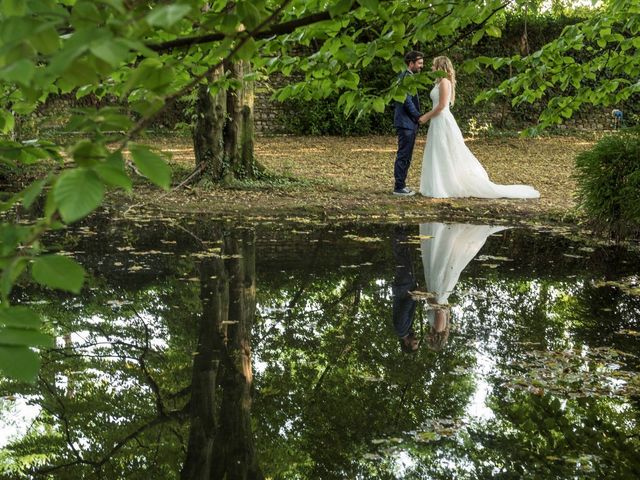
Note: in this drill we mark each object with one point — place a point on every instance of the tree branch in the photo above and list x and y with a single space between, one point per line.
472 30
169 100
277 29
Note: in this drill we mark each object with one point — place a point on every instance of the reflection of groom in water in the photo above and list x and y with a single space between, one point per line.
404 305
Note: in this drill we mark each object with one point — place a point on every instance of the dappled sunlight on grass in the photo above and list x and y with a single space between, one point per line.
355 174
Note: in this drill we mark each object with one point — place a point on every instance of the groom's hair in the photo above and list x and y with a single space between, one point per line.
412 56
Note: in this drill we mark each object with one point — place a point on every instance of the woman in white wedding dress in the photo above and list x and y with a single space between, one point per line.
449 169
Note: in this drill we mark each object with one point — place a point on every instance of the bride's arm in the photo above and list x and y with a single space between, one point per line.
444 89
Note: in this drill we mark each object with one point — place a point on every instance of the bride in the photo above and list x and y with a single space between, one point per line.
449 169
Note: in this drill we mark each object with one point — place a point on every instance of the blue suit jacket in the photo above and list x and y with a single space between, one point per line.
405 115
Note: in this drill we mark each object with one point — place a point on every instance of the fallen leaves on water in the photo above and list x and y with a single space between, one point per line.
632 333
430 431
484 258
629 285
574 373
420 295
358 238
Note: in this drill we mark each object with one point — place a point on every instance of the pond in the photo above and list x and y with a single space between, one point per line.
293 350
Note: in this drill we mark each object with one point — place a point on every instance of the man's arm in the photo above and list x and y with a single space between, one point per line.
411 109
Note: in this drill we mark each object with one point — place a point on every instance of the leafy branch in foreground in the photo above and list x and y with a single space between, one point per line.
594 62
74 192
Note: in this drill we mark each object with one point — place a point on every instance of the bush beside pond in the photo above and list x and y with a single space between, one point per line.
608 184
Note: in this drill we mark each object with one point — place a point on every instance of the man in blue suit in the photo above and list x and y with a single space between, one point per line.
406 119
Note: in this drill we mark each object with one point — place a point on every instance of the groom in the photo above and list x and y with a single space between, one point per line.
406 118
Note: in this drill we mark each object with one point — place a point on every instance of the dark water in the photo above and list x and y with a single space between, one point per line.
295 351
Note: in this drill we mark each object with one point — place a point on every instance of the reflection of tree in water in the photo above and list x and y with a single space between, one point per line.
221 443
339 383
543 434
115 388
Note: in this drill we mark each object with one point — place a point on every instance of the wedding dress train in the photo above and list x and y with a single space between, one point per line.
449 169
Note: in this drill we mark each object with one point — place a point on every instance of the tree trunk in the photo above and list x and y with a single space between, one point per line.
247 133
223 133
235 456
208 139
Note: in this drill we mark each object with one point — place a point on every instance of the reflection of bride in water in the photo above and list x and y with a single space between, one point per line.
446 251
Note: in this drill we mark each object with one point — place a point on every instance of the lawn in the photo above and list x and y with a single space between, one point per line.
353 177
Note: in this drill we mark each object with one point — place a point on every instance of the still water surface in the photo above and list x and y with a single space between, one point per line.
201 349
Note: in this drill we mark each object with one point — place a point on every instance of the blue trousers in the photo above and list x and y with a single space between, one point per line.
406 142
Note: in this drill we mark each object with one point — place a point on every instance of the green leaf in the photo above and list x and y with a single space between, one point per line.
20 72
77 193
167 15
25 336
477 36
11 273
81 72
111 51
247 49
46 40
493 31
378 105
150 74
338 8
113 172
11 236
86 15
32 192
152 166
7 121
372 5
73 47
19 316
56 271
115 4
249 14
229 24
19 362
86 152
12 8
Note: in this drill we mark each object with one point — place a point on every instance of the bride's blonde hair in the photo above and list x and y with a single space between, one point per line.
443 63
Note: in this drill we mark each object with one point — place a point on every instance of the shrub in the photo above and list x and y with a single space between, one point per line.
323 117
608 179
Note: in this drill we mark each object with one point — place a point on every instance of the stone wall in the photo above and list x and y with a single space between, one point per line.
592 120
266 111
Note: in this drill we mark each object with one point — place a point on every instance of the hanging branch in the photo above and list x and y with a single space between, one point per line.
472 30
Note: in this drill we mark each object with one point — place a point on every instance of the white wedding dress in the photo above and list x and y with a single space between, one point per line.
449 169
